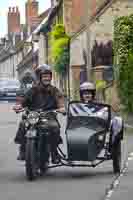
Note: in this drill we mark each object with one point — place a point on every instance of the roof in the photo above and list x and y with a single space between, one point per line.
37 30
44 23
52 13
44 14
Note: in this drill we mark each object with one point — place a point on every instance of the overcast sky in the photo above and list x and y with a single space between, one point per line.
4 4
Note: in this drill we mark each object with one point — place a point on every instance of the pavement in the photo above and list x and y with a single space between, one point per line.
59 183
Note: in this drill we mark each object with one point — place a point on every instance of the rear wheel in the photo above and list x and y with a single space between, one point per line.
31 159
116 156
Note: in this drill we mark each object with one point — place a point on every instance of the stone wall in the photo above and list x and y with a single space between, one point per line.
102 33
102 29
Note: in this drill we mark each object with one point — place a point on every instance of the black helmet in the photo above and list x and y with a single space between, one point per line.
43 69
29 78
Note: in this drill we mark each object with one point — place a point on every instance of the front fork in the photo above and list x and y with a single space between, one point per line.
31 132
44 149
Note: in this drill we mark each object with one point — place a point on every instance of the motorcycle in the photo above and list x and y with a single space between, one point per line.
89 137
37 148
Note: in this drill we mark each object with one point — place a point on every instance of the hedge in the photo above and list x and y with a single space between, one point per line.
123 59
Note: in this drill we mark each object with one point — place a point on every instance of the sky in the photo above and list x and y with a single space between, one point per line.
4 4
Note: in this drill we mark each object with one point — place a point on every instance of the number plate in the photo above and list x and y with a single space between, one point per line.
31 133
11 94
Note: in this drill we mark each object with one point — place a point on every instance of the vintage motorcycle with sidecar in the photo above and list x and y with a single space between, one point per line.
89 137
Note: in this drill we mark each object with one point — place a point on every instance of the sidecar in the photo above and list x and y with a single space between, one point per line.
89 137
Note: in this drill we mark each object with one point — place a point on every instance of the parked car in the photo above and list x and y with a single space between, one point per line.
9 88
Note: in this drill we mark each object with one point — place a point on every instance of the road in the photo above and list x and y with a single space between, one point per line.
62 183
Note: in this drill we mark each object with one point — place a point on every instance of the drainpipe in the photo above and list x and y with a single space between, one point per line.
87 19
69 92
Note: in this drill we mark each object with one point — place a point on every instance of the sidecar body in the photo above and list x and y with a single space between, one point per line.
87 130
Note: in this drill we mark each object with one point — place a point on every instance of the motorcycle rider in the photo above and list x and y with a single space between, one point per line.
46 97
88 94
24 88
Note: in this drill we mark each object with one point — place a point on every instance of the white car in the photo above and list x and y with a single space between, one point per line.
8 88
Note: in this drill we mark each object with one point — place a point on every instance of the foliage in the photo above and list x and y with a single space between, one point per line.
100 84
58 32
62 62
123 59
59 48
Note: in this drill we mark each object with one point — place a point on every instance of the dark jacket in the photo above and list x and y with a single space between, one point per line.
39 97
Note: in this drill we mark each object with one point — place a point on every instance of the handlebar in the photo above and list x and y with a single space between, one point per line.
52 111
39 111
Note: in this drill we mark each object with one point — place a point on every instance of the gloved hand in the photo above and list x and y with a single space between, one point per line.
61 110
17 108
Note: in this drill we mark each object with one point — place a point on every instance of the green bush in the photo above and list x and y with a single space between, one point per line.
123 59
100 85
59 49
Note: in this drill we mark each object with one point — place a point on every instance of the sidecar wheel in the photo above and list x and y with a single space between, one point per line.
116 156
31 160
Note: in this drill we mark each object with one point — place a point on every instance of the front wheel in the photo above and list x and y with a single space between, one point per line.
44 155
116 156
31 159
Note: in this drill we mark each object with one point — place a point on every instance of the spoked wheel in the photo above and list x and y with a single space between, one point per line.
31 160
116 156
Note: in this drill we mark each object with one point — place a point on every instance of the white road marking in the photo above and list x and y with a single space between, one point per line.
116 181
131 154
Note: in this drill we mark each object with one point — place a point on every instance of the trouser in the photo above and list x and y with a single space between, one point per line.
20 135
116 131
54 136
117 128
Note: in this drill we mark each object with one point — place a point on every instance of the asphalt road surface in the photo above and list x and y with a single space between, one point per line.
60 183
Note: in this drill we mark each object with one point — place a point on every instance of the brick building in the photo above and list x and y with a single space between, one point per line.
31 47
31 15
14 20
77 15
10 56
100 15
73 15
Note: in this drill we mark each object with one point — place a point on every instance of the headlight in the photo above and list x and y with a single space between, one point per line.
26 124
44 120
101 137
33 118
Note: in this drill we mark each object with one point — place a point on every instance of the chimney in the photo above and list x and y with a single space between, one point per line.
13 20
9 10
32 18
13 9
17 10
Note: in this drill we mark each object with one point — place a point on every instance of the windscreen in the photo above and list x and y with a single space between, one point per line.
91 115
